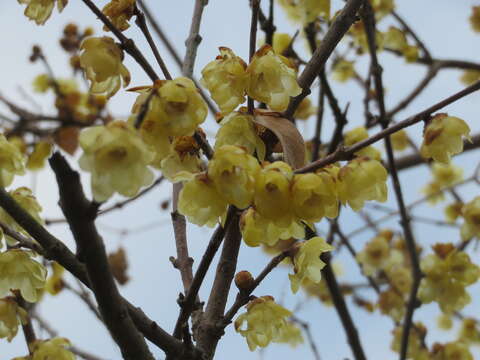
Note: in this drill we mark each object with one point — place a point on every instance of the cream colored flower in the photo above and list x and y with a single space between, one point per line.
40 10
11 316
12 162
117 159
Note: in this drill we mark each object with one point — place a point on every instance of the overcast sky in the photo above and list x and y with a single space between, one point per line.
442 24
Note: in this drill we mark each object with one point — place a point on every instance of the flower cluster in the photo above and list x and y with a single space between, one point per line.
448 272
265 322
18 271
471 215
55 348
269 78
443 137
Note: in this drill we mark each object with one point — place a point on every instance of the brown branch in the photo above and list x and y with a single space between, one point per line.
337 30
28 330
188 303
369 20
193 39
209 332
142 24
54 249
255 4
347 153
78 212
306 328
127 44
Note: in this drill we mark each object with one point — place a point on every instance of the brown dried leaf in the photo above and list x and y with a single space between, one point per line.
119 265
67 138
293 146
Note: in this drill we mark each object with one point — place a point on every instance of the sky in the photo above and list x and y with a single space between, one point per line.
144 229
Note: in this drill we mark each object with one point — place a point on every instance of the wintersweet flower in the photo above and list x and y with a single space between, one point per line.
305 110
343 70
356 135
263 323
200 201
101 59
446 174
392 304
119 12
226 79
443 137
469 331
453 211
12 162
272 79
415 350
307 263
25 198
40 10
382 7
238 129
377 255
183 161
471 216
40 154
117 159
395 39
272 193
56 348
234 173
470 76
306 11
457 350
11 316
175 109
257 230
362 179
447 273
314 195
281 42
291 335
399 140
55 283
18 271
475 18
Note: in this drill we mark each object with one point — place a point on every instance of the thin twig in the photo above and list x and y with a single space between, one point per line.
255 4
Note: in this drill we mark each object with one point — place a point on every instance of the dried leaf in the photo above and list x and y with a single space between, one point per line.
293 146
119 265
67 138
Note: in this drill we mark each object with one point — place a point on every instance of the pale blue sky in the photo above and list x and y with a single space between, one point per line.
442 24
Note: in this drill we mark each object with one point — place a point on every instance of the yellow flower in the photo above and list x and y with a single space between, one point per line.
307 263
392 304
443 137
10 316
469 331
314 196
343 70
305 110
446 174
40 10
119 12
433 192
471 215
200 201
101 59
362 179
456 350
281 42
377 255
24 197
41 83
475 18
18 271
291 334
399 140
12 162
382 7
444 321
40 154
55 283
226 79
272 80
117 159
470 76
414 349
356 135
238 129
56 348
257 230
183 161
265 322
395 39
447 273
306 11
357 31
176 108
453 211
272 193
234 173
